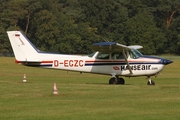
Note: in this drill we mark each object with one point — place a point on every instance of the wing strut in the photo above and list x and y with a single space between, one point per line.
125 57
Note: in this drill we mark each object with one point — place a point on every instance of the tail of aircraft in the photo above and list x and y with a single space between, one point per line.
23 49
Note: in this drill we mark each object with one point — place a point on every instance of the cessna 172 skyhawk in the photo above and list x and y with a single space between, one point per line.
111 58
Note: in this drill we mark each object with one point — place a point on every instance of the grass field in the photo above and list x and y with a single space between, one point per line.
86 96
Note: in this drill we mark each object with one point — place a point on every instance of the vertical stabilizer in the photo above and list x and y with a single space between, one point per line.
23 49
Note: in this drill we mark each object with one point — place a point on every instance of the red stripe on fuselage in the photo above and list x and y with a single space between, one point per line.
47 62
89 61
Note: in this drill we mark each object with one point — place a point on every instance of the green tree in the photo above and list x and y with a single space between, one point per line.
45 29
108 16
134 6
164 11
89 36
15 12
74 38
143 31
5 48
167 16
173 38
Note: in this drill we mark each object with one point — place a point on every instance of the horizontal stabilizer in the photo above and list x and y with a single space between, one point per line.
135 46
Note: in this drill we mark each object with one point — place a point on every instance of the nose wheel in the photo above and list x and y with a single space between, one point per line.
116 80
150 82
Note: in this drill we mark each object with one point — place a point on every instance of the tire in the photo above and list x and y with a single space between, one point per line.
112 81
121 81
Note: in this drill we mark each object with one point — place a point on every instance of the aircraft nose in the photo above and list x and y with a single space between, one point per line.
166 61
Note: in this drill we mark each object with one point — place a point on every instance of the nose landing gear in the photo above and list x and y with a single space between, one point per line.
150 82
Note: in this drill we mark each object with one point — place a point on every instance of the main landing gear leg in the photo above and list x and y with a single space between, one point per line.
150 82
116 80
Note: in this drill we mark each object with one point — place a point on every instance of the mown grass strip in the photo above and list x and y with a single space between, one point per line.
86 96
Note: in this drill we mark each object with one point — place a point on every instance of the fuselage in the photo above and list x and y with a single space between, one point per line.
140 66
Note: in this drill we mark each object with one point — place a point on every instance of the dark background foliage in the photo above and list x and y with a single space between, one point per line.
72 26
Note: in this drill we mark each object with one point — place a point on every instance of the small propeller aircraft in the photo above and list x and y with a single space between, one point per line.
111 58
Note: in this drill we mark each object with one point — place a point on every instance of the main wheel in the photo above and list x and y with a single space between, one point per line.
151 82
112 81
121 81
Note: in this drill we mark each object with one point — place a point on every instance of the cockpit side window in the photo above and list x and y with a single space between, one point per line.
118 55
103 56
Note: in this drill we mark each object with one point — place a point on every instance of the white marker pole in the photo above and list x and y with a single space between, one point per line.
55 91
24 78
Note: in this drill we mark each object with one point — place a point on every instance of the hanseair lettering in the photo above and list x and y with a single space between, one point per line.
136 67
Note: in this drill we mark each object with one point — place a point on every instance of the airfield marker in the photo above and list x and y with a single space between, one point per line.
24 78
55 91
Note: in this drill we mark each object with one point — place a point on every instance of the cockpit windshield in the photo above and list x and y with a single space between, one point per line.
92 54
135 54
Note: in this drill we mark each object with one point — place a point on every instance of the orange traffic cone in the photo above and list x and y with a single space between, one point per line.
55 91
24 78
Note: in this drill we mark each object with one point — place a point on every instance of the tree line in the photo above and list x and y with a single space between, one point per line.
72 26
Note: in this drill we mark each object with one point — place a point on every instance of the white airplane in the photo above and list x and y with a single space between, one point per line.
111 58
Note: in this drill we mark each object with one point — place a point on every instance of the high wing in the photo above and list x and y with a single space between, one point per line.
115 47
109 47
